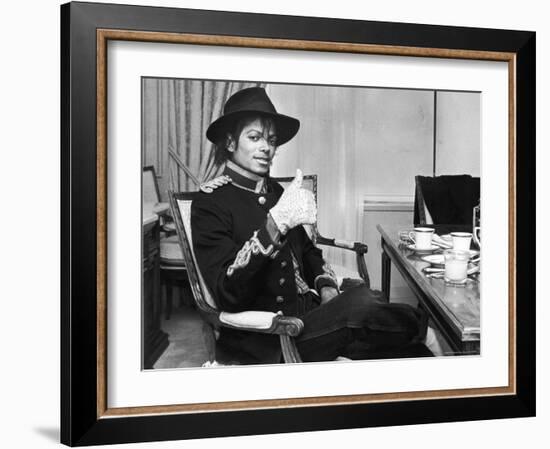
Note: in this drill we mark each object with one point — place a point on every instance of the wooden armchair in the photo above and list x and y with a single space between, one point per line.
360 249
254 321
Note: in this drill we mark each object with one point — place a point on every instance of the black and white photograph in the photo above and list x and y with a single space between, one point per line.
294 223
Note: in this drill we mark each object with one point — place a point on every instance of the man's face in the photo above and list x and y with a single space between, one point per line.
255 147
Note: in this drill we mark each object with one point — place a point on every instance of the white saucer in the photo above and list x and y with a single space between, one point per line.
437 260
424 250
473 253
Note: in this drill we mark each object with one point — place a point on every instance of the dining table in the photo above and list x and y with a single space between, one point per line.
453 309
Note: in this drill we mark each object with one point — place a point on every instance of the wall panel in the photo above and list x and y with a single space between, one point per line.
458 149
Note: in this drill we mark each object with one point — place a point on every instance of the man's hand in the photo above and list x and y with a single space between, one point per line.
295 207
327 293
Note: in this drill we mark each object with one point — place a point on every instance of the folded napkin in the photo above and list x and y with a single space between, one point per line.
437 240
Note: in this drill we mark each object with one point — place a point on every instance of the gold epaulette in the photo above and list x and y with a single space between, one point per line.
213 184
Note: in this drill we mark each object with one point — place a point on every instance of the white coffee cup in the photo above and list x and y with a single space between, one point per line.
422 237
461 240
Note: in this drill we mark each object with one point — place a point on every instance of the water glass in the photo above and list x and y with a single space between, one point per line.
456 266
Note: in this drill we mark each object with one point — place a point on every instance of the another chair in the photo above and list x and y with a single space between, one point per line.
345 276
447 199
254 321
151 200
173 271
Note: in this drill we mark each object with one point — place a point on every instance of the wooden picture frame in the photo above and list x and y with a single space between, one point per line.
86 30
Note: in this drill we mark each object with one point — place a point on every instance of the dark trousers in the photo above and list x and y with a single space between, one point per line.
360 324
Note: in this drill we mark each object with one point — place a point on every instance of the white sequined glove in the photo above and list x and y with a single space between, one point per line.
295 207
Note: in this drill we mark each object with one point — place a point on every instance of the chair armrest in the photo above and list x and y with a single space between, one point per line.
358 247
265 322
169 227
161 209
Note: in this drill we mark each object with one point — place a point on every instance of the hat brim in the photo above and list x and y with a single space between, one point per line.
287 127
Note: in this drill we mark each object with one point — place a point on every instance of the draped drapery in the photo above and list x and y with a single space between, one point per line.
176 114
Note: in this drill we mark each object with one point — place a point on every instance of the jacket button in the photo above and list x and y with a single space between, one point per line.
262 200
283 264
279 299
282 281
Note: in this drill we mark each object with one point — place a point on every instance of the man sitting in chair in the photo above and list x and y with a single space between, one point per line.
254 253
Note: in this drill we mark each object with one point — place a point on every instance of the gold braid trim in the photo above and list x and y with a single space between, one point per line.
252 246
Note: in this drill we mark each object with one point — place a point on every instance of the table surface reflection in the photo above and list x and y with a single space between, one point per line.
457 306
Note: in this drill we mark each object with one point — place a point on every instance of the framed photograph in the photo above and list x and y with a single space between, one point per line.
273 224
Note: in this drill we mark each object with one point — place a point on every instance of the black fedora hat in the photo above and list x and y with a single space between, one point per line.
253 100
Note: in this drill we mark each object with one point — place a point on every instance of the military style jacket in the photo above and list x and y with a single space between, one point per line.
247 266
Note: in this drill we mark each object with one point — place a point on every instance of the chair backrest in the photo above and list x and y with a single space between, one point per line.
449 199
180 202
421 213
150 186
309 182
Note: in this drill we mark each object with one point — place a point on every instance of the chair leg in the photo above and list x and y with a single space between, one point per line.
386 274
209 341
362 268
290 351
168 283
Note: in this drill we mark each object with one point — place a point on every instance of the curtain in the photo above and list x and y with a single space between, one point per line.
176 115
